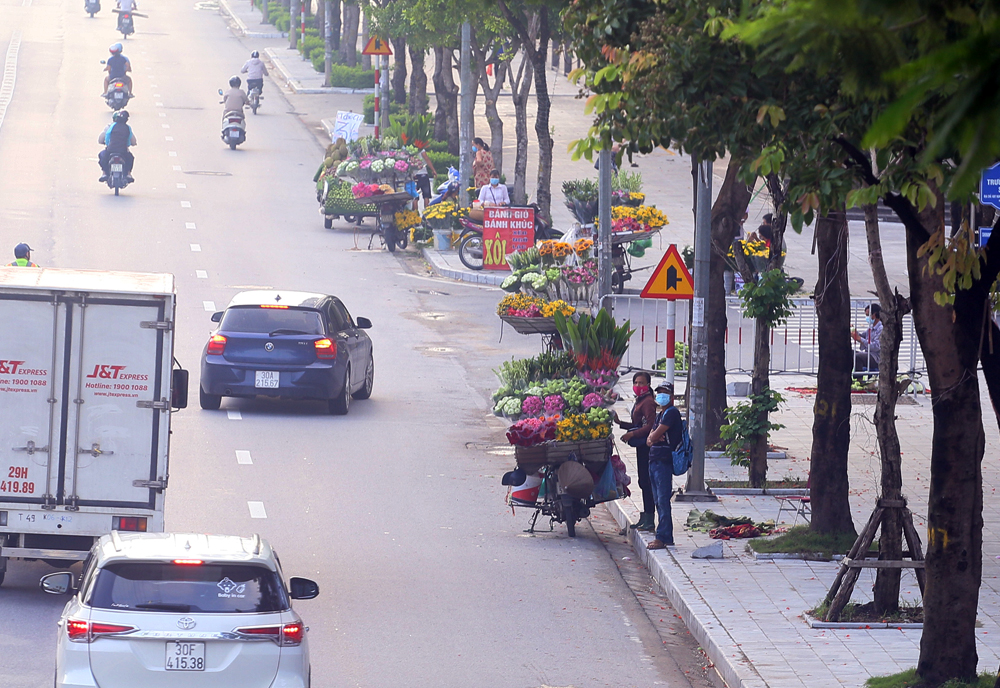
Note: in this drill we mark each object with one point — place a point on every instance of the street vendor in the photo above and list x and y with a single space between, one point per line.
492 195
642 422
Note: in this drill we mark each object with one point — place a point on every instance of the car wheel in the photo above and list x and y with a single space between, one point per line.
366 391
340 405
209 402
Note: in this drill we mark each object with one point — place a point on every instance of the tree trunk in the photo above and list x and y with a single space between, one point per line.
567 59
320 18
446 94
555 55
520 87
399 70
491 94
730 204
349 46
418 82
543 133
829 485
366 60
950 339
759 381
293 28
335 27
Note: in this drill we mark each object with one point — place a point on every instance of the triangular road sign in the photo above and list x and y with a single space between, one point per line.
670 279
376 46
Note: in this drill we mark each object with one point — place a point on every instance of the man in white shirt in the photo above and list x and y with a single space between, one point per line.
494 194
126 7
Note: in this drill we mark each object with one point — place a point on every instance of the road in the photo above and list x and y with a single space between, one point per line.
396 510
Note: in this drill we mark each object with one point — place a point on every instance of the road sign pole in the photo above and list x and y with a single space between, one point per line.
697 393
604 259
302 33
378 102
671 329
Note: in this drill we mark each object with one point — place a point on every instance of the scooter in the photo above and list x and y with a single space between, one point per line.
92 6
254 96
234 127
116 178
125 23
470 241
119 93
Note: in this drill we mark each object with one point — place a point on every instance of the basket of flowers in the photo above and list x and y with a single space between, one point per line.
531 314
529 437
444 215
586 435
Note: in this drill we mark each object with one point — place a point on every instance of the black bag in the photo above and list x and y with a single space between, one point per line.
637 442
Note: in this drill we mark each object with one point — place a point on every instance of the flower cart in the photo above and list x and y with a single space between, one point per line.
557 403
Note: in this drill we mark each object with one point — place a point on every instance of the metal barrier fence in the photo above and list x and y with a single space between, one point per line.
794 345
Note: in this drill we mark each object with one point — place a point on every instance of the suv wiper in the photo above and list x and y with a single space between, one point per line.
285 331
164 606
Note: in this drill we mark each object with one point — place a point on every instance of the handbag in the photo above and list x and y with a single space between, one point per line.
606 488
637 442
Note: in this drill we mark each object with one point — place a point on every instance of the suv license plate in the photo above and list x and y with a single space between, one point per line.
267 379
116 168
184 656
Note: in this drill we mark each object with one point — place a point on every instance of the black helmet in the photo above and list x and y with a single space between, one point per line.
255 54
120 116
234 81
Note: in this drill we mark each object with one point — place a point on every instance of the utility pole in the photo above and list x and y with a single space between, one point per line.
697 393
327 42
302 31
604 167
466 129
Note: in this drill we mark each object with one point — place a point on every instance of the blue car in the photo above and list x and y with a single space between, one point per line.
287 344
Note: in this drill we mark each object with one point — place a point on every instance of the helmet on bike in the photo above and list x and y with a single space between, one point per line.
115 48
120 116
255 54
234 81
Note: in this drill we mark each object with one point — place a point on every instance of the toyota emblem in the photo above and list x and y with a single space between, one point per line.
269 347
185 623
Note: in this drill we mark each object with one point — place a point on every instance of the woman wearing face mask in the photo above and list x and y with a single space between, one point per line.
661 441
494 194
642 423
482 162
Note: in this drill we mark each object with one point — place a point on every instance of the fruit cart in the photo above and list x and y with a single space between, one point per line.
336 200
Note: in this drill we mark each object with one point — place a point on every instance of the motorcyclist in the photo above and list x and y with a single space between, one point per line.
116 139
22 257
234 100
117 67
126 7
256 70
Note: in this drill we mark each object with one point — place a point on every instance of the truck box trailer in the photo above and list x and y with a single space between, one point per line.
87 387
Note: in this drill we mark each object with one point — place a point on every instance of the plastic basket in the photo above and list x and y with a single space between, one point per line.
523 325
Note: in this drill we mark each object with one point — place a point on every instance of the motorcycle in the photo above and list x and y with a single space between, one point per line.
118 93
116 178
254 96
470 241
92 6
234 127
545 493
125 23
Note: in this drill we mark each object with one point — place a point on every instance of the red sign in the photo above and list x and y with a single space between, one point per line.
506 230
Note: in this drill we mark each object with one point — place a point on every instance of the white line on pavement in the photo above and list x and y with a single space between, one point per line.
177 168
185 204
196 247
209 306
163 114
172 154
9 74
158 104
181 186
201 274
236 415
242 455
257 510
168 138
165 126
189 225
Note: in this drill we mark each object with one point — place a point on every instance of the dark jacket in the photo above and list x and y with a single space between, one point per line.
643 416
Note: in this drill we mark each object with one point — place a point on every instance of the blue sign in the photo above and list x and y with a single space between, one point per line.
984 235
989 186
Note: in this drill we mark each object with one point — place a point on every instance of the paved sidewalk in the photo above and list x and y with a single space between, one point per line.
749 614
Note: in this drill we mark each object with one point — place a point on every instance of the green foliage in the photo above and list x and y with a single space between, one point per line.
517 373
442 161
350 77
687 255
681 352
748 421
580 190
368 106
802 540
623 180
767 299
597 342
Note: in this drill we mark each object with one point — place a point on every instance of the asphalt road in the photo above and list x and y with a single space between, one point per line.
396 509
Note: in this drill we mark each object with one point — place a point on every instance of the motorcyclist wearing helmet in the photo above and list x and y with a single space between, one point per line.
117 67
126 7
234 100
256 70
116 140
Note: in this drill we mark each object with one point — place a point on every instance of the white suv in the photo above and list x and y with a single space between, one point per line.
172 610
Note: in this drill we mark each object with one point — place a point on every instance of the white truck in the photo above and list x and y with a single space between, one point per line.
87 386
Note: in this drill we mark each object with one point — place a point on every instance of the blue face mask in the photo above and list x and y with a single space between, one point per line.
662 399
494 181
474 149
868 320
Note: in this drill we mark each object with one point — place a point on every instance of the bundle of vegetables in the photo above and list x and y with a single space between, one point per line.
531 431
385 163
340 200
520 260
508 406
336 153
581 427
597 343
523 373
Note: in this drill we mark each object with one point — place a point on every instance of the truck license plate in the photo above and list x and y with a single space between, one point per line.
183 656
267 379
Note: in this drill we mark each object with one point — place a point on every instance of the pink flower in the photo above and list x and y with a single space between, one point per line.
365 164
401 165
554 404
593 400
532 406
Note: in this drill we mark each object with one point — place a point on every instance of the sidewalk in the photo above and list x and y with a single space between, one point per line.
748 614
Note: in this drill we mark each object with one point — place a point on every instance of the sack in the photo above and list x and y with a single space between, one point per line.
683 452
606 488
576 480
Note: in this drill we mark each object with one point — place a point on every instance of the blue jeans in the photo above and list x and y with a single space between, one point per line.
661 476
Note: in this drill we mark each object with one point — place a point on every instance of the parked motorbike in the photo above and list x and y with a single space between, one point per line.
234 128
545 493
92 6
254 96
470 241
117 178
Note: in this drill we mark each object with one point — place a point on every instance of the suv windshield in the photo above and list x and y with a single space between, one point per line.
267 320
169 587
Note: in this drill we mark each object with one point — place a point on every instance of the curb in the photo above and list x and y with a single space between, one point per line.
683 593
296 86
764 492
474 277
242 27
722 455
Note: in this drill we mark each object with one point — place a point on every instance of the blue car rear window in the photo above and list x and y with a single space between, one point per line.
265 320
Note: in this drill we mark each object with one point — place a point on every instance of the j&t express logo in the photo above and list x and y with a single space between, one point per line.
114 372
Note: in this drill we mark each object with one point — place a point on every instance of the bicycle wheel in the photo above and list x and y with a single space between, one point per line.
470 251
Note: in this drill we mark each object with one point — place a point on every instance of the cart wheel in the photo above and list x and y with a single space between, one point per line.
403 240
569 514
328 222
618 281
352 218
390 238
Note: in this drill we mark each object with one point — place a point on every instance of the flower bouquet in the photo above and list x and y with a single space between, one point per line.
444 216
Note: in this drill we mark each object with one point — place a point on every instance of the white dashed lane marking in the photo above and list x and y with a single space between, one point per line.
181 186
257 510
189 225
196 247
201 274
185 204
209 306
236 415
177 168
168 138
243 456
165 126
172 154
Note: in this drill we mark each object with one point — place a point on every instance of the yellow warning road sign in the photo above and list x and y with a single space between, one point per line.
670 279
376 46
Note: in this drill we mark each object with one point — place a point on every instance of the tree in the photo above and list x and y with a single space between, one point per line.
349 45
399 70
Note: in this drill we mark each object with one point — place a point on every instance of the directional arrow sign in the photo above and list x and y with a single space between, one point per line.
670 279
